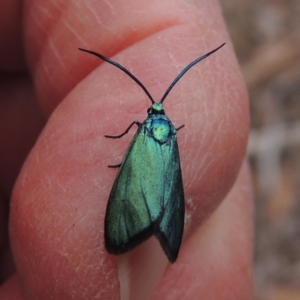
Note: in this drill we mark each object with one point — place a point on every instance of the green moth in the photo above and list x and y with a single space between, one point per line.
147 196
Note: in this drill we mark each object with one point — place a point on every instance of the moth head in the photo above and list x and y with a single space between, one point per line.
156 109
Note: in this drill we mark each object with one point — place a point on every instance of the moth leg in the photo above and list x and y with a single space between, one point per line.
114 166
126 131
179 127
119 136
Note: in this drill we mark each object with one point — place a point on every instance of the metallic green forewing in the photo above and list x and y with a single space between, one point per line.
147 196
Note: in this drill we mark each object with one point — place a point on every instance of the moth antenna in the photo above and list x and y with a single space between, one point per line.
122 69
185 70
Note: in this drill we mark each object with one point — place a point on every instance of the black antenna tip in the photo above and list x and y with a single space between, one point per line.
186 69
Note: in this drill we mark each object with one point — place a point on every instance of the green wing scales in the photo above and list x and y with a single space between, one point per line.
147 195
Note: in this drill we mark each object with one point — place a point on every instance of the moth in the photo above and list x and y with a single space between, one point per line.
147 197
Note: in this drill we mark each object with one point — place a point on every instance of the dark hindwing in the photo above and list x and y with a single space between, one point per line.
170 228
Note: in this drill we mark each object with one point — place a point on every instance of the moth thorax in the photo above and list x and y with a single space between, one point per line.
161 130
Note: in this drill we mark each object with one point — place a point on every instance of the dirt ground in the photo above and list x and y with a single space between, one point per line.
266 37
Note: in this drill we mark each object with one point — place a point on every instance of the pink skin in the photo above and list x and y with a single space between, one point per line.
59 197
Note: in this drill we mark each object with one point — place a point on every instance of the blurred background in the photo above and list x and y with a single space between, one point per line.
266 37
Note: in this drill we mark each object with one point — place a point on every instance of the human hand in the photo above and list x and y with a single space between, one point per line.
59 199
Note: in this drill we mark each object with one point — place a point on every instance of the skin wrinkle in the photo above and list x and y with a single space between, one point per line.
112 9
208 150
55 4
174 62
203 170
36 18
47 72
195 174
211 145
95 15
56 54
74 32
43 10
228 106
148 34
47 31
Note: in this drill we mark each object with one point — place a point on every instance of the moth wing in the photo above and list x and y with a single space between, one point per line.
135 202
170 228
